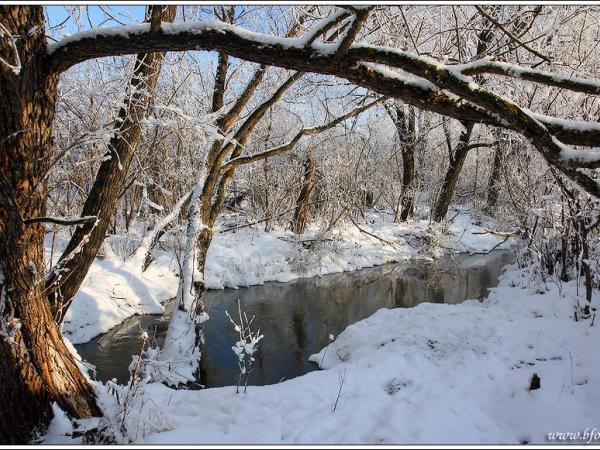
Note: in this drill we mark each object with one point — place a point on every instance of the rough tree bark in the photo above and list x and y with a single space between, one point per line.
37 367
302 211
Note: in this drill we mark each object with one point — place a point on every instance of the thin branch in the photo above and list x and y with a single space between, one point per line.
246 159
61 220
506 235
232 115
498 233
360 17
510 35
410 35
256 222
362 230
479 145
486 252
324 26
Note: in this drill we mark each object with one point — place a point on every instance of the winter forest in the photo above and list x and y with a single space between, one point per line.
298 224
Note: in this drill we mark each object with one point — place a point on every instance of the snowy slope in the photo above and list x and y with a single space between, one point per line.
114 290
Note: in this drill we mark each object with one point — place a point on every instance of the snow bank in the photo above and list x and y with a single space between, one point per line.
250 256
431 374
115 289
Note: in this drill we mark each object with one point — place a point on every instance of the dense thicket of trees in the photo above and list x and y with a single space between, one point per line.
296 114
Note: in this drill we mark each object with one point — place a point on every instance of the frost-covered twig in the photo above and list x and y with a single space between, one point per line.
331 338
246 346
342 379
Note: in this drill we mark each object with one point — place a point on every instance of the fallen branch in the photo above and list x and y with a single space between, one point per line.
498 233
487 252
362 230
238 227
505 234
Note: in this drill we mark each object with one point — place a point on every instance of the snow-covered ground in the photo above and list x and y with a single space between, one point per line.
115 289
430 374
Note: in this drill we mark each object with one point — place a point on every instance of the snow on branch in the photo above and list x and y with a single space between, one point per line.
360 17
68 221
323 27
456 94
268 49
488 66
588 159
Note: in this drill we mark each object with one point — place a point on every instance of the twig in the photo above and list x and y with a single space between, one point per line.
510 35
323 27
342 379
498 233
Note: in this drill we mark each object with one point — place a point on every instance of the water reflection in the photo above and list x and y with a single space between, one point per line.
297 318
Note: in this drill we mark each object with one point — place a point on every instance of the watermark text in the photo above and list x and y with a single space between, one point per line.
588 435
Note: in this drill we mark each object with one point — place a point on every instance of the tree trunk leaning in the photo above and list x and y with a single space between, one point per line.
457 159
74 263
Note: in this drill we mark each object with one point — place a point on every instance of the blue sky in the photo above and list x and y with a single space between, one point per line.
84 17
95 15
69 19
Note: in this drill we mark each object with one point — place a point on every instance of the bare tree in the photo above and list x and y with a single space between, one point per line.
405 124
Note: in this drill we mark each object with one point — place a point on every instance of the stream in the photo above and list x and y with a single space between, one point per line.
297 318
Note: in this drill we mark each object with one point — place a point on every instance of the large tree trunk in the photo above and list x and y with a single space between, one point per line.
74 263
408 178
457 159
459 155
37 368
302 211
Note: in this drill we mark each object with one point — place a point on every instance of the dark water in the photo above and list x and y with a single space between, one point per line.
296 318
